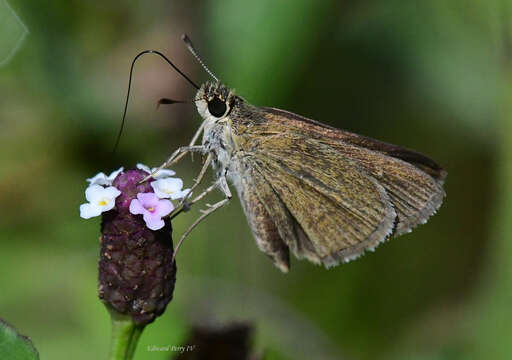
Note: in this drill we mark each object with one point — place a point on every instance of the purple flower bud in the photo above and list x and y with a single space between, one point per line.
136 276
129 185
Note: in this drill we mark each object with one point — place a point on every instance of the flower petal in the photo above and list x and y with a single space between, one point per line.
111 192
160 194
148 199
164 208
158 187
153 222
181 194
94 192
167 187
136 207
163 173
89 210
175 184
143 168
109 205
99 179
114 174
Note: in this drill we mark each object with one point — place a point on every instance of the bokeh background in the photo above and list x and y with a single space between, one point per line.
434 76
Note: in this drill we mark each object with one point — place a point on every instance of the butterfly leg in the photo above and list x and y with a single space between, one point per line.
176 156
196 136
208 190
179 153
197 181
221 183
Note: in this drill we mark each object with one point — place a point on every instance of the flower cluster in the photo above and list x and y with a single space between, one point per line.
136 269
101 196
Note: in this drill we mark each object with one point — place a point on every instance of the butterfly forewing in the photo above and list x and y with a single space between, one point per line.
319 130
330 197
415 187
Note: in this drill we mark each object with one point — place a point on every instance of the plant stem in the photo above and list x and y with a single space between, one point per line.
125 336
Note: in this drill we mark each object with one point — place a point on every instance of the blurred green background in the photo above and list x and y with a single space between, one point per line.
434 76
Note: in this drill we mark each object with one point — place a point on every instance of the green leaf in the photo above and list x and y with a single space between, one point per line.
14 346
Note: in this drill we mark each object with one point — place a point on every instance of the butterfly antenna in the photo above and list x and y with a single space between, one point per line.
191 48
130 86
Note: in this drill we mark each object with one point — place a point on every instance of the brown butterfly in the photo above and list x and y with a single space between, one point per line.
323 193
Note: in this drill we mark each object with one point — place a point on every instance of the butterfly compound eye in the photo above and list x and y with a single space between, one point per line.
217 107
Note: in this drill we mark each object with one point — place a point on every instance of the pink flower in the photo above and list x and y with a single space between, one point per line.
152 209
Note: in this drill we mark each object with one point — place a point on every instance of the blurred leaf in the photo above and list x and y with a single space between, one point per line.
12 32
14 346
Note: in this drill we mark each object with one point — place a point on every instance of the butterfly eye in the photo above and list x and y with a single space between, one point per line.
217 107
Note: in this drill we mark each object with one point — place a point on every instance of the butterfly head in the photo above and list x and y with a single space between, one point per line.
214 100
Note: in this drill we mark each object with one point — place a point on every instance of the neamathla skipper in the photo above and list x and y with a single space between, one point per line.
326 194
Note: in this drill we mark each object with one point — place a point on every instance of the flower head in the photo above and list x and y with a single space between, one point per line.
100 199
169 188
136 271
162 173
152 209
102 179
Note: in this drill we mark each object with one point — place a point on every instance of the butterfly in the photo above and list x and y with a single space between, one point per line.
324 194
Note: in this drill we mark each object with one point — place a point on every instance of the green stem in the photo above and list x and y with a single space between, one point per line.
125 336
137 332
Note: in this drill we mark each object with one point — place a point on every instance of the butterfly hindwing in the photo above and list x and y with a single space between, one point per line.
263 226
326 209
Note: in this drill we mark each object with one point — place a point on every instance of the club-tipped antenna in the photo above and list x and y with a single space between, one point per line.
130 86
191 48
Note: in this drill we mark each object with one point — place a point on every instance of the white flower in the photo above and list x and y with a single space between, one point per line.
102 179
169 188
163 173
100 199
